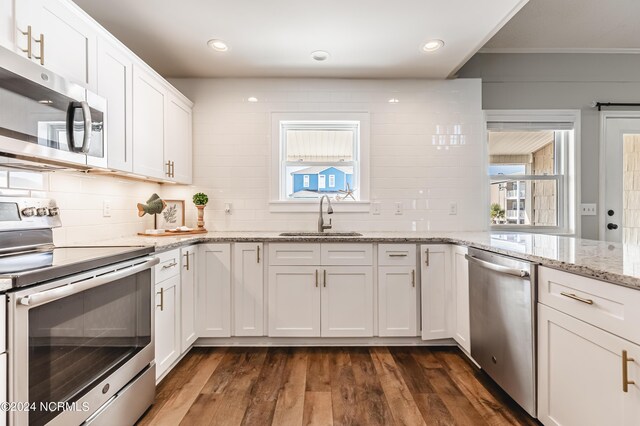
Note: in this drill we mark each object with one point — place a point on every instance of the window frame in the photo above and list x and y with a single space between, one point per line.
280 121
568 186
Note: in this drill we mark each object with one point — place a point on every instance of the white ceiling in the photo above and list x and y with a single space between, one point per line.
566 25
274 38
518 143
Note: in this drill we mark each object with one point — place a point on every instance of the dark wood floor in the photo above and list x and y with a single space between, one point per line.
330 386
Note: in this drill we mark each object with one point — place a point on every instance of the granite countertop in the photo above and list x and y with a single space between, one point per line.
612 262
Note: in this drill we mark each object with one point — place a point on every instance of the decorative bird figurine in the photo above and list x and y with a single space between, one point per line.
154 205
347 193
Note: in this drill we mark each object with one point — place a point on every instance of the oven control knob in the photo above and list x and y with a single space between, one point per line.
42 211
28 212
54 211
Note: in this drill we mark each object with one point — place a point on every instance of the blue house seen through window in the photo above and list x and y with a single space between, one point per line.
322 179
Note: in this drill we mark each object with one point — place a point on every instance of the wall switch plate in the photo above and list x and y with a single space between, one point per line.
106 208
588 209
375 207
453 208
398 207
227 208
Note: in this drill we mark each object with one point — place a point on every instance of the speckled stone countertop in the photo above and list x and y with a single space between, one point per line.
612 262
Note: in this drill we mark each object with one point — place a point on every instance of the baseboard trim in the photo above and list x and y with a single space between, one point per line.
318 341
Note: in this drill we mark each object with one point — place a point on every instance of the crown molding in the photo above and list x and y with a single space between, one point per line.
627 51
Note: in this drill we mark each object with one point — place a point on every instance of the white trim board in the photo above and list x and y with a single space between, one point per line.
318 341
587 50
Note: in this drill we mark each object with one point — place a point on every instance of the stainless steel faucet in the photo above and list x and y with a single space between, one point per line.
321 225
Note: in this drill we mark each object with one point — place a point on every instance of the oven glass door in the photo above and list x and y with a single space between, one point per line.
76 341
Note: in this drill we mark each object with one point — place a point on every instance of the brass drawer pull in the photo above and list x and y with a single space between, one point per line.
171 265
258 254
578 298
325 277
397 254
186 256
28 34
316 278
413 277
161 293
625 372
41 57
426 257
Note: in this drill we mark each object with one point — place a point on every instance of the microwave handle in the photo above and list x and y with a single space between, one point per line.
86 138
47 296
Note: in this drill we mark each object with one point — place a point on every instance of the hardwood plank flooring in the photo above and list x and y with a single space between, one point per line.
330 386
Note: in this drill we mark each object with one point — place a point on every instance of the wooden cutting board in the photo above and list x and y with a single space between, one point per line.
175 234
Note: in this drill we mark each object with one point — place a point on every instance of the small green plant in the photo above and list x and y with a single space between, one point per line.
200 199
497 212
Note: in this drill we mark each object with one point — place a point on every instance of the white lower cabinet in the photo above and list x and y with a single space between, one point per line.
214 291
294 301
248 289
435 291
188 334
347 301
167 324
397 304
581 374
460 283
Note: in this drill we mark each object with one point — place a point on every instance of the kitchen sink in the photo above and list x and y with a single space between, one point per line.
321 234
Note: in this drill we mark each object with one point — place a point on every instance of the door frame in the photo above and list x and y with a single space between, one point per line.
602 170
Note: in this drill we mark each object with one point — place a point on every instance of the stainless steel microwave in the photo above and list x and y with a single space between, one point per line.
47 119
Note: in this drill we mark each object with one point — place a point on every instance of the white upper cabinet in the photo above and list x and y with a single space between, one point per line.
248 289
436 291
62 39
460 283
149 114
115 84
6 24
214 290
177 143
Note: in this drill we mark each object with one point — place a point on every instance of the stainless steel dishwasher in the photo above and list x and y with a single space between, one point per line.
502 296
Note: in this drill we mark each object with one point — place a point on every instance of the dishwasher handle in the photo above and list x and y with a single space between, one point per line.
522 273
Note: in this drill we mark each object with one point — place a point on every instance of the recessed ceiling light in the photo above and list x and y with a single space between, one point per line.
252 99
320 55
432 45
394 100
218 45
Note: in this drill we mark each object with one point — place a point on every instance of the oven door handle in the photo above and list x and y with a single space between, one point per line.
522 273
47 296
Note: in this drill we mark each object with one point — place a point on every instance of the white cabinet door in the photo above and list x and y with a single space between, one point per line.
214 290
397 301
167 324
248 289
69 46
3 386
294 301
580 374
436 291
115 80
149 114
460 283
178 143
347 301
7 21
188 334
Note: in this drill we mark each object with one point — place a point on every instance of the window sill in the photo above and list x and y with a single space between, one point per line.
313 206
547 230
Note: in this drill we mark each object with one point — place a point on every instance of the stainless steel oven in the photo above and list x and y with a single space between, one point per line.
45 118
78 344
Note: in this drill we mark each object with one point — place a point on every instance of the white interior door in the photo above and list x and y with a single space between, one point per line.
621 184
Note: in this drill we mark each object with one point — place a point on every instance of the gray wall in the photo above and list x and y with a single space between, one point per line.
561 81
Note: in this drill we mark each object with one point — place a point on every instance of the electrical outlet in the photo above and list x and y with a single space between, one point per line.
227 208
398 207
375 208
453 208
106 208
589 209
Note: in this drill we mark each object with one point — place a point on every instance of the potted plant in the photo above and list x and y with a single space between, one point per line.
200 200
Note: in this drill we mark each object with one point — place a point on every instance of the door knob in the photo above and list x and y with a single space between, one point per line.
612 226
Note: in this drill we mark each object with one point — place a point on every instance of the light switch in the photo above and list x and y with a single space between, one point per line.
227 208
375 208
589 209
106 208
453 208
398 207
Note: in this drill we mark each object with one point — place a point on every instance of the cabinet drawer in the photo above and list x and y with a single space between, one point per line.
347 254
397 255
608 306
294 254
169 265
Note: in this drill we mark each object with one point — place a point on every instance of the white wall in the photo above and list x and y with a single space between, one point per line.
561 81
232 151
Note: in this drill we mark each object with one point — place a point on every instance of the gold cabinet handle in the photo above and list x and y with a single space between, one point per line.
161 293
258 254
625 372
171 265
316 278
168 173
397 254
186 255
173 169
28 34
41 42
426 257
576 297
324 274
413 277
